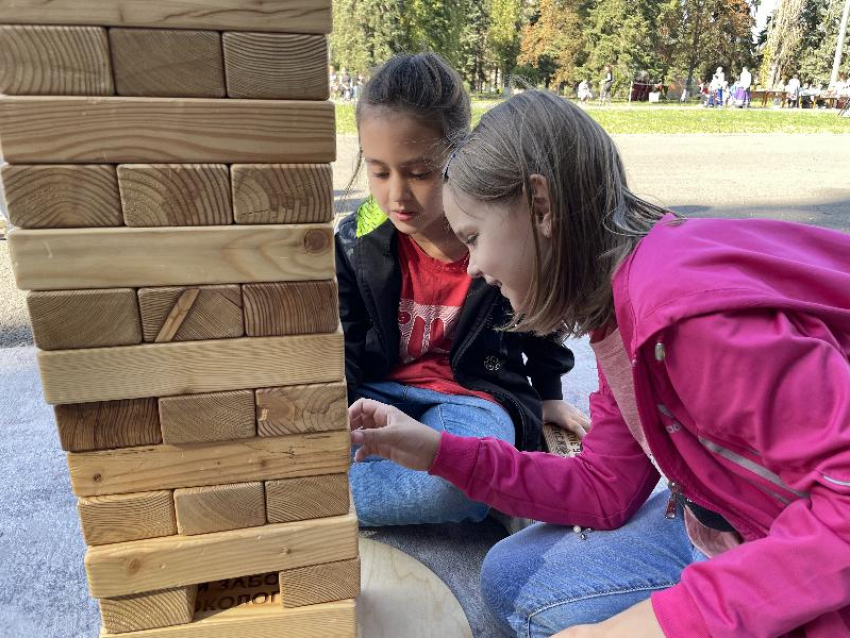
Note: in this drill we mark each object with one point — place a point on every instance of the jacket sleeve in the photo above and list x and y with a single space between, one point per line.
778 384
352 313
548 360
600 488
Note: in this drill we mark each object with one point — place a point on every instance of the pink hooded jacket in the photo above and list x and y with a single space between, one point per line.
738 334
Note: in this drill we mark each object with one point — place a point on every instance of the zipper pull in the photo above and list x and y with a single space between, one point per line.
675 491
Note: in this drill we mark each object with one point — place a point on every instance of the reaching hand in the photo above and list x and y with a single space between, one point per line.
566 416
388 432
635 622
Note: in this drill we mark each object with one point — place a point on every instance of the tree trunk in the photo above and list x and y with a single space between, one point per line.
839 46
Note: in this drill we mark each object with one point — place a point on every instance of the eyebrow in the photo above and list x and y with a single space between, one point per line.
414 162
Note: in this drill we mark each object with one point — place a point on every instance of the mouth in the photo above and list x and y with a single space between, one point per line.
403 215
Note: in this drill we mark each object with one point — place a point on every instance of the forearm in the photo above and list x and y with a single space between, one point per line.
545 487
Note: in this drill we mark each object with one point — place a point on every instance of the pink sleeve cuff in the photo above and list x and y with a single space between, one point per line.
677 614
455 459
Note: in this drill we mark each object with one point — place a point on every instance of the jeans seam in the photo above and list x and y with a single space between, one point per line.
566 601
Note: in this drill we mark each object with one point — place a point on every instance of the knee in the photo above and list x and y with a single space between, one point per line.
505 571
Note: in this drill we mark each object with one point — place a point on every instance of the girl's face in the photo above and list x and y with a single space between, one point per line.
500 241
404 158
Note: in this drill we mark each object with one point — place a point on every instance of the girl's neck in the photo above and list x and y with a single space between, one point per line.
443 245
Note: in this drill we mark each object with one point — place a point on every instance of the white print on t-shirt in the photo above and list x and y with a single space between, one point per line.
433 326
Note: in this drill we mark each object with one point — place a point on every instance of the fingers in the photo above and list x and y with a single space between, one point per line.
366 413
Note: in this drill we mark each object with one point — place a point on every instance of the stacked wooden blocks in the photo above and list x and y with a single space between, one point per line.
169 183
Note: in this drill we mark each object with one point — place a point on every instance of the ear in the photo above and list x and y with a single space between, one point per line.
541 204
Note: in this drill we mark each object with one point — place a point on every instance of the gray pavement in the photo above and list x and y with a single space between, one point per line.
42 580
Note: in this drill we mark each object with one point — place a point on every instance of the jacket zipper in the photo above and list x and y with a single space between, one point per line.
675 492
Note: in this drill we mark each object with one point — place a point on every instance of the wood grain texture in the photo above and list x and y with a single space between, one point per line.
167 63
316 584
302 408
559 441
257 617
127 517
151 610
276 66
135 130
392 582
161 563
202 510
162 467
175 194
68 319
191 367
290 308
44 60
201 418
282 193
107 425
45 196
302 498
64 259
295 16
189 314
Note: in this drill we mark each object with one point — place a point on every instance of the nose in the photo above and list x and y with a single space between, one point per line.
398 189
472 270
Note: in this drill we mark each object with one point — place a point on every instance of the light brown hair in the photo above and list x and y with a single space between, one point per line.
596 220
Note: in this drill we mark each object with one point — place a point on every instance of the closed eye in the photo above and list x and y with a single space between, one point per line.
470 240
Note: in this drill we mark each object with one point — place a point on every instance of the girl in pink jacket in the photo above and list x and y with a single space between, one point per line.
723 350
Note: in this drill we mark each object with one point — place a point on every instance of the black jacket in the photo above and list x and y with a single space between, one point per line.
481 358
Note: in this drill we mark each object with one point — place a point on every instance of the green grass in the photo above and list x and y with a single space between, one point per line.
644 118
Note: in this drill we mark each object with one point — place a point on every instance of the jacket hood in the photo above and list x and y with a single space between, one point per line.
686 268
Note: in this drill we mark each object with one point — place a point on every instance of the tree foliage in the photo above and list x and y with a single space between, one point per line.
557 43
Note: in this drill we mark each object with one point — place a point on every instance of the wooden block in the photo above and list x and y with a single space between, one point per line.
560 441
282 193
68 319
200 418
290 308
308 497
318 584
151 610
39 60
106 425
175 194
256 617
135 130
295 16
302 408
127 517
202 510
191 367
60 259
167 63
163 467
160 563
61 196
189 314
276 66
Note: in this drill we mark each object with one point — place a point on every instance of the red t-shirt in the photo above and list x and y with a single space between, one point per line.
432 296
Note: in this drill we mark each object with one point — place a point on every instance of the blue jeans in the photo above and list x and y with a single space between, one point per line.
388 494
545 578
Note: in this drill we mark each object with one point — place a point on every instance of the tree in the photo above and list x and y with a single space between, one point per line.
503 36
783 42
552 40
472 64
617 32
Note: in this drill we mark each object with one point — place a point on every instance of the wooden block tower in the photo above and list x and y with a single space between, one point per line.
168 179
